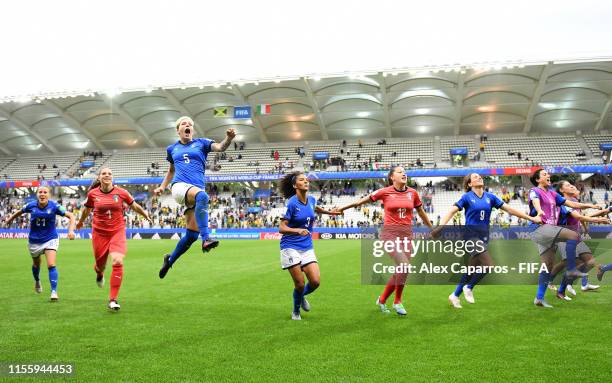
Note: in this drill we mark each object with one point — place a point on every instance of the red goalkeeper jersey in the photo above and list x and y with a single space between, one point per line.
108 209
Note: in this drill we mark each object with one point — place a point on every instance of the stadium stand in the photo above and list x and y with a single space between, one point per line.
593 142
546 150
500 150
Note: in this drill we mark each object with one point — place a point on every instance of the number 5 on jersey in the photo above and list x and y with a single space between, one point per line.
186 157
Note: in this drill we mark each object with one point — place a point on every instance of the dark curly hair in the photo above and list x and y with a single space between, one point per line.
536 176
285 186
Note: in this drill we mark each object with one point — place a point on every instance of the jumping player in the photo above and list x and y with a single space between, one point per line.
187 159
478 205
43 237
108 228
545 202
399 201
296 250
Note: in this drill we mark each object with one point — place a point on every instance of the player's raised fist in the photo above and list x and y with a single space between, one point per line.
231 133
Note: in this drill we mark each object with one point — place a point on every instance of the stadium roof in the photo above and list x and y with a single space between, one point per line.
543 98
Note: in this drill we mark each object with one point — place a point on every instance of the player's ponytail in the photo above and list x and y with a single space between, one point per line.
390 175
96 183
287 183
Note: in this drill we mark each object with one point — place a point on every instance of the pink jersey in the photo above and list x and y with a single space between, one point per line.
550 201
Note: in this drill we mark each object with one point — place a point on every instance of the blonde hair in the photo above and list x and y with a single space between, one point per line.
181 119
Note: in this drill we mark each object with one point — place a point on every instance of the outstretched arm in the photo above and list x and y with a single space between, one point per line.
142 212
587 218
334 211
359 202
221 146
10 219
580 205
520 214
453 210
449 215
424 217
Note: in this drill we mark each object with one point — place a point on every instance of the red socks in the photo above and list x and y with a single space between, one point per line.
389 288
115 281
396 284
400 282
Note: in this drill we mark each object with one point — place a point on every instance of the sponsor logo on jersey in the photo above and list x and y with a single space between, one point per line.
116 198
488 200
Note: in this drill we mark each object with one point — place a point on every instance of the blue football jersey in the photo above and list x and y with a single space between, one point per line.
299 215
189 160
478 209
42 220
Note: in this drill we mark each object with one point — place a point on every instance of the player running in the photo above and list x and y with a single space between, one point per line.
43 237
545 202
399 201
296 250
108 228
478 205
572 219
187 159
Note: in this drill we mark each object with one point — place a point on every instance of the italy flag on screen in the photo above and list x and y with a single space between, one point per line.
263 109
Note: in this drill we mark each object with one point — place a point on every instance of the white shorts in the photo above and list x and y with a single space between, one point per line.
36 249
179 192
293 257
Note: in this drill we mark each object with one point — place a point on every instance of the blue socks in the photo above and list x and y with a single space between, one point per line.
542 284
36 273
183 244
475 279
563 285
297 300
459 289
309 289
201 213
607 267
570 249
53 275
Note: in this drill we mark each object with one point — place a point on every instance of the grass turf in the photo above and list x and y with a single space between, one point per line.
225 317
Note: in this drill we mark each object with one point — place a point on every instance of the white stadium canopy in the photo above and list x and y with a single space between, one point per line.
108 77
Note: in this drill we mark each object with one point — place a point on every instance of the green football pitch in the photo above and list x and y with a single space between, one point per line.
225 316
